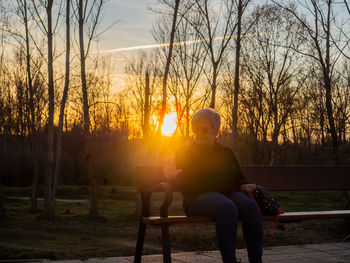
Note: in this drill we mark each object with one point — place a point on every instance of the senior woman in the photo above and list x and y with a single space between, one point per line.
211 181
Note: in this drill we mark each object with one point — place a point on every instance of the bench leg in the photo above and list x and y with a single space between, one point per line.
140 240
166 243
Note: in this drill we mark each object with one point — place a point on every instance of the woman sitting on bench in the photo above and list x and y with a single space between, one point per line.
211 181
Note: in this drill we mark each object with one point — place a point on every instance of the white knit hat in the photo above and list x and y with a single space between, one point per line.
209 114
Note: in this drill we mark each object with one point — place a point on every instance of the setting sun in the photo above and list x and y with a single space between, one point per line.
169 125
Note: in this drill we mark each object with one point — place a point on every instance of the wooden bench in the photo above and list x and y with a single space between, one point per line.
150 179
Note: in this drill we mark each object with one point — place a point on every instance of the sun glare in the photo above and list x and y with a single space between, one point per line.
169 125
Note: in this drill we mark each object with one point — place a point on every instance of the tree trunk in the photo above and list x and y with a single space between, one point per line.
50 135
63 104
213 86
236 90
167 67
344 130
274 148
34 206
187 118
328 87
323 140
146 110
335 145
275 132
295 139
88 158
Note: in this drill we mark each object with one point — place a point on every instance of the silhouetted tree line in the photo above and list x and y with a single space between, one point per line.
111 159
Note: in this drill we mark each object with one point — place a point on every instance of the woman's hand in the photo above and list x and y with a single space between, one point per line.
170 171
246 188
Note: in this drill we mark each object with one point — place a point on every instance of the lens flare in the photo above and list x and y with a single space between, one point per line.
169 125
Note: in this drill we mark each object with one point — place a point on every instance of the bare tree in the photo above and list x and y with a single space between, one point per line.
168 61
276 36
342 102
187 65
49 28
105 82
188 68
3 24
241 6
22 12
146 106
314 90
63 104
219 27
347 5
142 82
100 103
4 72
320 29
88 14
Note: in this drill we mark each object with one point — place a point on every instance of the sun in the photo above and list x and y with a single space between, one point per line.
169 125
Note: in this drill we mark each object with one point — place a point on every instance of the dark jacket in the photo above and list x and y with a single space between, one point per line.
206 169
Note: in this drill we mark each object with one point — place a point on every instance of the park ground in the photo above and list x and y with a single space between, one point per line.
71 234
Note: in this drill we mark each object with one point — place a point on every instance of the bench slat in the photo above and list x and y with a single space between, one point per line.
315 215
155 220
288 216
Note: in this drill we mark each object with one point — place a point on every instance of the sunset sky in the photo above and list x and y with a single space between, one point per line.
134 26
135 23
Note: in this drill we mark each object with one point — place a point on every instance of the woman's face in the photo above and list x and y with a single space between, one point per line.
204 132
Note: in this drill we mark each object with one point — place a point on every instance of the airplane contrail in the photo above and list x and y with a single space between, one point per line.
161 45
190 42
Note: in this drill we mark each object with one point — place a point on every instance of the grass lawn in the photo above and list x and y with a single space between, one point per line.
71 234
